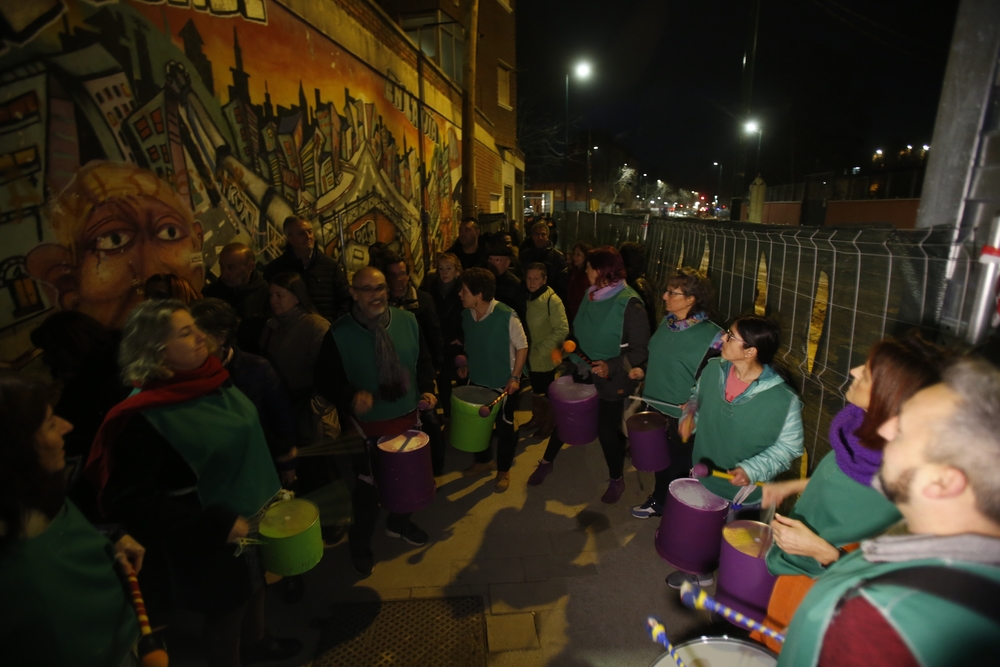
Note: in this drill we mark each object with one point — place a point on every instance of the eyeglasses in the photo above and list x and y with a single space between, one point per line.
373 289
673 293
729 334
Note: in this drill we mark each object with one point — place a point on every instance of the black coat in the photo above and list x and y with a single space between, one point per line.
325 280
251 304
424 310
449 311
470 260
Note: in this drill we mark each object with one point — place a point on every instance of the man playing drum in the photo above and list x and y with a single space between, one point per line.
928 598
497 350
375 367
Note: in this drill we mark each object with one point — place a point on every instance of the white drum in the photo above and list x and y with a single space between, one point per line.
719 652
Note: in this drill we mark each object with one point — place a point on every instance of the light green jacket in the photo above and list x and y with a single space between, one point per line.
547 329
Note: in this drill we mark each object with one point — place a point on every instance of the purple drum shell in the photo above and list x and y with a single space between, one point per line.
647 438
744 581
575 408
405 479
690 531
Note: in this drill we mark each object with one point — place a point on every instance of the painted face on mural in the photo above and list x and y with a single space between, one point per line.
117 226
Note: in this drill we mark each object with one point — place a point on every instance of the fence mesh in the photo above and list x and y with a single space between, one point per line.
835 291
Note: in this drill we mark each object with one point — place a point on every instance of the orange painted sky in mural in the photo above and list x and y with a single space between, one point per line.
289 52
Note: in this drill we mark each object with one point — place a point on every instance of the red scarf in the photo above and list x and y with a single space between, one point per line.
180 387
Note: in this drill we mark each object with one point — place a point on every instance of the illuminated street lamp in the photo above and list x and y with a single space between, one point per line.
750 128
582 72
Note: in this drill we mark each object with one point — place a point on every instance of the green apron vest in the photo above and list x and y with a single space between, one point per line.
62 601
487 345
839 510
598 325
732 432
939 633
220 437
357 350
674 357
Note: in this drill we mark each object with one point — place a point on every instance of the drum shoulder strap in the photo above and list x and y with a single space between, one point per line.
962 587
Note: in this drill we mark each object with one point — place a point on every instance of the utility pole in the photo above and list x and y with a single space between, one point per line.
469 108
740 164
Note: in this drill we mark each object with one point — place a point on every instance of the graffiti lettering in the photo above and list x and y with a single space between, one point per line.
252 10
410 106
242 204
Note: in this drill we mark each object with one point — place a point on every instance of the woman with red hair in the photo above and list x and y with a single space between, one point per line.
611 328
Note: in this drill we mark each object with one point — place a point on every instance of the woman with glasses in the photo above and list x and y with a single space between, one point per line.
839 506
748 419
684 342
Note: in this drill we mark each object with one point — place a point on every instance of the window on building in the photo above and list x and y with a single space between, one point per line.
503 86
157 120
142 127
440 38
19 109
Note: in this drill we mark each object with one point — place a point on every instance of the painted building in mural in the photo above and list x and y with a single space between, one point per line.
139 137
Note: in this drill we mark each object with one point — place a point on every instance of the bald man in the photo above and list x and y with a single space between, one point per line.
242 287
375 367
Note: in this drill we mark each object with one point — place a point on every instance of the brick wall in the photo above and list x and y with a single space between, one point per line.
489 176
496 44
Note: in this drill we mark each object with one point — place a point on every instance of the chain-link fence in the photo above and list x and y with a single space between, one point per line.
835 290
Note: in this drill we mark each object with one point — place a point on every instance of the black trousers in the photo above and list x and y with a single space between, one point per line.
540 381
680 460
609 432
365 504
506 437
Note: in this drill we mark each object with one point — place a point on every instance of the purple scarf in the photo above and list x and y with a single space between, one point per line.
855 460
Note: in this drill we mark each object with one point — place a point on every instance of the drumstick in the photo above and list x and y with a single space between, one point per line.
663 403
659 635
696 598
152 653
485 410
569 346
702 470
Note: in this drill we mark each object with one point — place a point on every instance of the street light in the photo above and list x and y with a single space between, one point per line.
582 72
750 128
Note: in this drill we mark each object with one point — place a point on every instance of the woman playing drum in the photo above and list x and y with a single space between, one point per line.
684 342
838 506
184 464
749 419
612 330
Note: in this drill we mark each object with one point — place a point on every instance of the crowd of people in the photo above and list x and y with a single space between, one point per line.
183 427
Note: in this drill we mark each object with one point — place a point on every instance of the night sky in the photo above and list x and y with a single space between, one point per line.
834 79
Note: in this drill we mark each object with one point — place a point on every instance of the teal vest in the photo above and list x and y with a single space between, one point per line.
939 633
598 325
487 346
220 437
62 601
839 510
356 345
732 432
674 357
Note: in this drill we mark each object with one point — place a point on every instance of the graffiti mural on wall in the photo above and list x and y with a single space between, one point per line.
139 138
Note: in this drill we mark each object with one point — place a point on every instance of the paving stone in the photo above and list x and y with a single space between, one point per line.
533 596
511 632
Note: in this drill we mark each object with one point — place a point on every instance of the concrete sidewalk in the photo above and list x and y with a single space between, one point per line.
566 579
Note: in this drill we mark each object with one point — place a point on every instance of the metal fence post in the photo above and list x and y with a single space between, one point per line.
985 304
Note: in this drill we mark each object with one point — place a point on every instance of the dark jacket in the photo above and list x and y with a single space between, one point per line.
554 261
256 377
576 290
325 280
449 311
251 304
511 292
470 260
648 294
421 304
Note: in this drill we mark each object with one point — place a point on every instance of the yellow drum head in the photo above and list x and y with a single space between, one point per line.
289 517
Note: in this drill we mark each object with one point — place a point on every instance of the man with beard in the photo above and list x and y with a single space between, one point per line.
375 367
931 597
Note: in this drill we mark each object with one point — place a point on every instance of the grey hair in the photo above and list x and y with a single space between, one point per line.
144 340
969 438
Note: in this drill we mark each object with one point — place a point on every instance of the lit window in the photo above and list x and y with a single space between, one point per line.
503 87
157 120
142 127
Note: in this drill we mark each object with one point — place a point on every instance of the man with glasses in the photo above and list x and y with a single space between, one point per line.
376 368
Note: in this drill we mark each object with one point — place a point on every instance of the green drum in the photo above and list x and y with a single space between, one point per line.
469 431
290 537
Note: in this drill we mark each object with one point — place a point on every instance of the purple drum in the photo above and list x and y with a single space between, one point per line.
691 528
575 408
647 438
405 478
744 582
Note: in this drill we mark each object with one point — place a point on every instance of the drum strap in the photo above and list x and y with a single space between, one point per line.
961 587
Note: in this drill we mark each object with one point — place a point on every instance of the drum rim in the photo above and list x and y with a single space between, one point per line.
701 509
732 524
660 415
455 391
279 503
705 639
417 432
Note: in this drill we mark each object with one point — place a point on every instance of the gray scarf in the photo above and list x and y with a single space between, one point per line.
392 378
